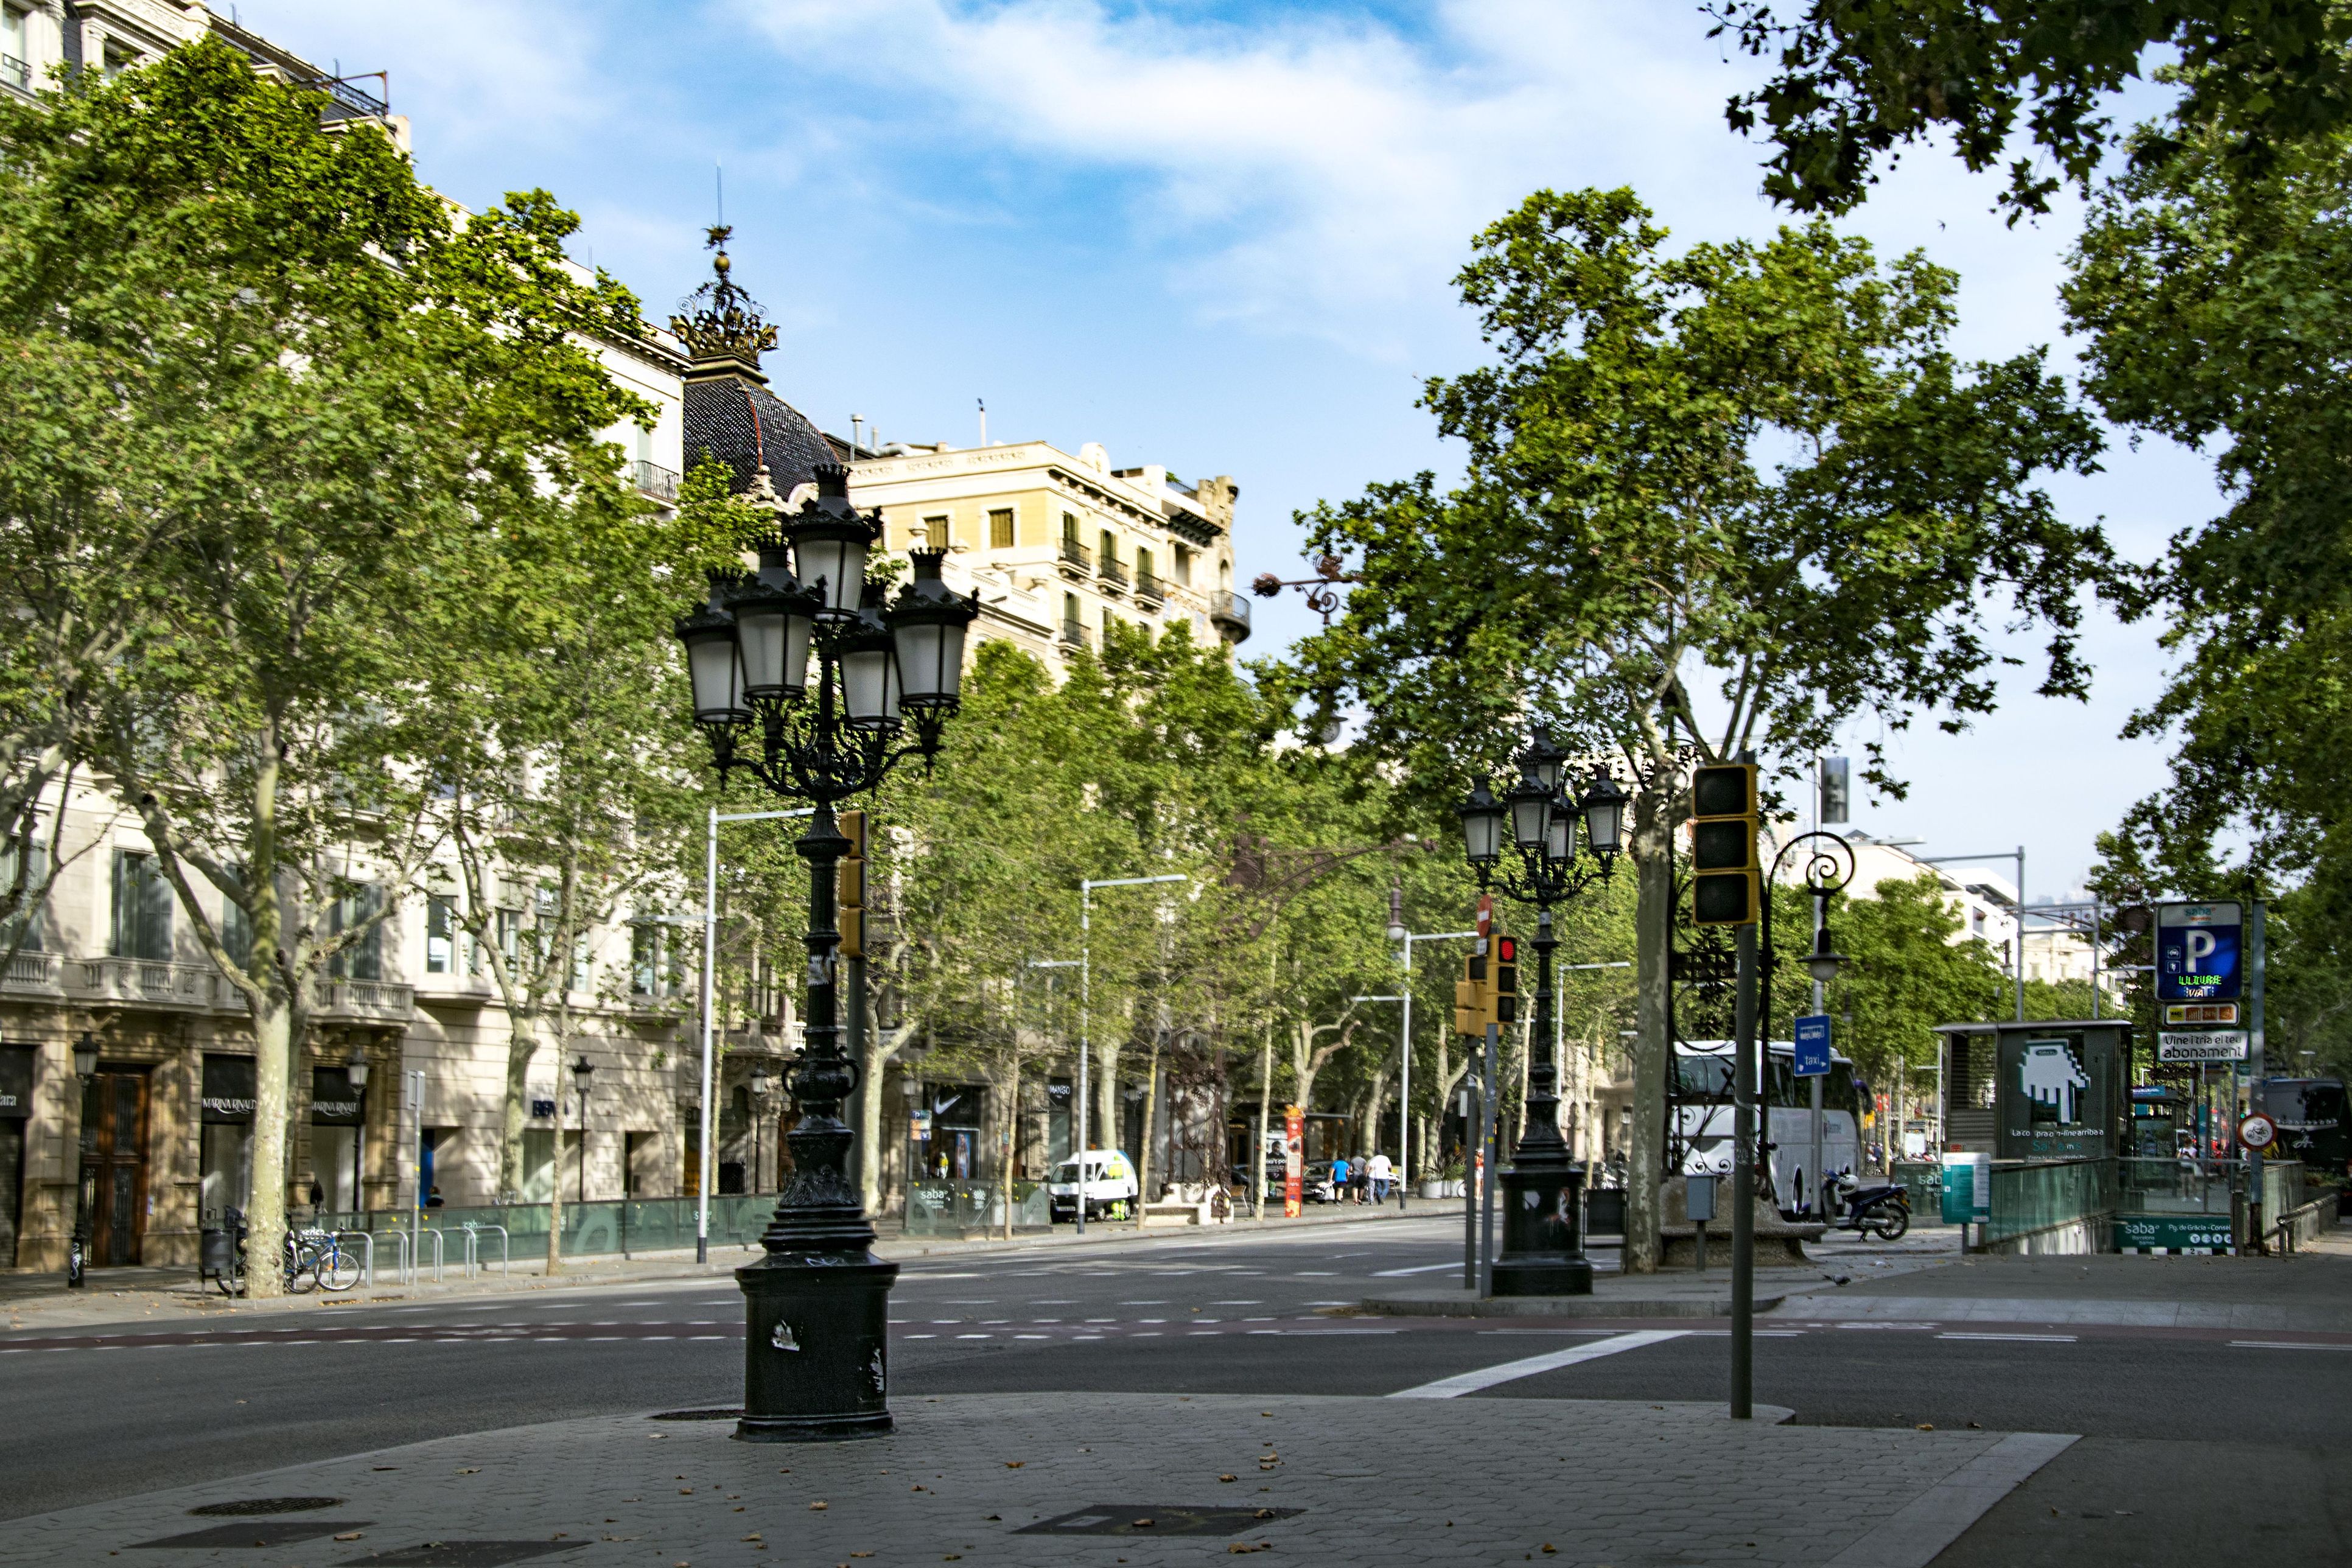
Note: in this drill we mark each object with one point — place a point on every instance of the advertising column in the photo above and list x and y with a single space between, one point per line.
1294 1160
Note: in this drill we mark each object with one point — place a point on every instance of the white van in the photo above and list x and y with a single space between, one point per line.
1110 1187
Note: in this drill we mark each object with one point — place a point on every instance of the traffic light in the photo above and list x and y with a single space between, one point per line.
1470 996
1724 882
849 886
1489 991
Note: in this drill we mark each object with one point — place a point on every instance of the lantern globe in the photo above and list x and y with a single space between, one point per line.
1546 761
1530 803
830 538
1482 825
869 667
929 623
1604 813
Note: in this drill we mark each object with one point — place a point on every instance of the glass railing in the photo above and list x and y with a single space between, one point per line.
589 1229
951 1208
2042 1196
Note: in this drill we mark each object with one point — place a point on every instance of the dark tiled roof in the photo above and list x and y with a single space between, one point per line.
739 421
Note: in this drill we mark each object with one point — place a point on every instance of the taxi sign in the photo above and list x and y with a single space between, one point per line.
2257 1131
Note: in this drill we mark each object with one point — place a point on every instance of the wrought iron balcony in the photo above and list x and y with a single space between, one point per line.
654 481
1149 588
1111 572
1231 612
1074 635
1076 555
15 73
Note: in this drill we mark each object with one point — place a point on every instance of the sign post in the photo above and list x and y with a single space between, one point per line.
1812 1061
2204 952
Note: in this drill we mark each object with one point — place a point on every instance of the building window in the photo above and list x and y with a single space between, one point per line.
364 959
645 959
142 908
1000 529
24 927
510 938
440 935
938 532
15 51
237 929
1183 566
1069 528
1109 548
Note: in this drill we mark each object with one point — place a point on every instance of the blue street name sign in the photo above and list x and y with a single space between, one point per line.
2199 952
1814 1046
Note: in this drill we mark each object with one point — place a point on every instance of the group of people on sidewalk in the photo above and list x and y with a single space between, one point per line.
1358 1179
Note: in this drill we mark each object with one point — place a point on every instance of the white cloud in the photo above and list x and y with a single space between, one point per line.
1300 173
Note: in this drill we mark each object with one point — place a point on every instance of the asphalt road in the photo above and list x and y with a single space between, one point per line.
2194 1440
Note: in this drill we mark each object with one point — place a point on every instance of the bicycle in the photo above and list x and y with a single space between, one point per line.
310 1256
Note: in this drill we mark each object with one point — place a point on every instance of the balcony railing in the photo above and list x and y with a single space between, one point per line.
148 983
1112 573
368 1001
1148 586
34 974
1232 614
655 481
1076 554
1074 635
15 73
347 102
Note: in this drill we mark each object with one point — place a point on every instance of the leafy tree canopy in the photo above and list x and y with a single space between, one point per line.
1858 79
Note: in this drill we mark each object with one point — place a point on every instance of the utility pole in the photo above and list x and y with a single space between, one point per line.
1743 1183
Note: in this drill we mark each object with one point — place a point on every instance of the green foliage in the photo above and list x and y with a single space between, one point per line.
1760 460
2206 292
1858 79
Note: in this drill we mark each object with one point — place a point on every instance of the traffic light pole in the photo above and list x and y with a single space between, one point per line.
1743 1183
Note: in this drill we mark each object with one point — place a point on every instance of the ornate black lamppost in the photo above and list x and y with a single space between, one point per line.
1543 1192
805 678
85 1064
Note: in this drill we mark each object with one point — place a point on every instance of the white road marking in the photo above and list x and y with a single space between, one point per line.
2023 1339
2284 1345
1550 1360
1422 1268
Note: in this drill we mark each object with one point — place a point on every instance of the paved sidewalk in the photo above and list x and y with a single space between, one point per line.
42 1300
1036 1481
2311 1291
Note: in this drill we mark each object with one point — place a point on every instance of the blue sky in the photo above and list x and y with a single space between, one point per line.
1205 233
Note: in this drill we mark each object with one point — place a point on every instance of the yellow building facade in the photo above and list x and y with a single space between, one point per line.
1058 544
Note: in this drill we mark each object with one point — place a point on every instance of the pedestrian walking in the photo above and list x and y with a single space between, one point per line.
1339 1180
1380 1171
1362 1184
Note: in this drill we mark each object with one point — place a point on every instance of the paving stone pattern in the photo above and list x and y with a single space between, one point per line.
1625 1485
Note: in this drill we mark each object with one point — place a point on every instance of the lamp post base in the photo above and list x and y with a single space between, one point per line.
817 1352
1543 1231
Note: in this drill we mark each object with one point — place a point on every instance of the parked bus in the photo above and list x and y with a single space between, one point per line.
1705 1116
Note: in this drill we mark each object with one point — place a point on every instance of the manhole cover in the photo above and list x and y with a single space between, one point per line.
260 1532
465 1553
1157 1519
245 1507
723 1412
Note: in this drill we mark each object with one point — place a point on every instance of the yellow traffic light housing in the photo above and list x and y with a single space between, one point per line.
849 886
1725 889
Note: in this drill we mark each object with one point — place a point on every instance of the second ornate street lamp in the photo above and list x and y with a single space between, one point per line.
1537 824
805 678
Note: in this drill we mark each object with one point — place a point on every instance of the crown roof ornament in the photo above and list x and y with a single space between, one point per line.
718 320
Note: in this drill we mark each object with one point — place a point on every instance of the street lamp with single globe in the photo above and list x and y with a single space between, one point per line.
581 1070
1543 1192
817 684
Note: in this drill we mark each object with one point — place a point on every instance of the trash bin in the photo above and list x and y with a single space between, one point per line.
215 1253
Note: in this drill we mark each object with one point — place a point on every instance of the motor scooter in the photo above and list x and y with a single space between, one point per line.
1881 1209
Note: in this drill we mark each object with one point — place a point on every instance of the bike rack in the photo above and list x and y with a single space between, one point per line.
367 1255
417 1267
473 1257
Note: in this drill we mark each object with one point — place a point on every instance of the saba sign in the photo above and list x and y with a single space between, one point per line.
2199 952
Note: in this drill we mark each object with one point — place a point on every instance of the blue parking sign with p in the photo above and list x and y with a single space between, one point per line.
2199 951
1814 1046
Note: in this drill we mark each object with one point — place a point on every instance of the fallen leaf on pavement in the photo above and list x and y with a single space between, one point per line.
1014 1464
816 1508
1229 1477
349 1536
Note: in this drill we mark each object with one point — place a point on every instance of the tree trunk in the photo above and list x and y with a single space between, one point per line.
1652 1052
1143 1161
873 1057
264 1212
522 1045
1264 1109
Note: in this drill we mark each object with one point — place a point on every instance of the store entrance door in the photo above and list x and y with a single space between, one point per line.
114 1165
